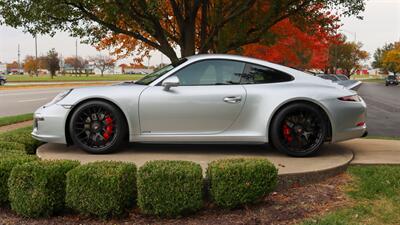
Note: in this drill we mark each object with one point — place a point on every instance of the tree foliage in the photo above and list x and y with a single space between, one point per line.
78 63
347 56
295 47
379 57
391 59
192 26
52 62
102 63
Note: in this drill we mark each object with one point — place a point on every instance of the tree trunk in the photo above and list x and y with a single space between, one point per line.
188 41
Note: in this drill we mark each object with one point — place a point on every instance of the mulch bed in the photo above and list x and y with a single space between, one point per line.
284 207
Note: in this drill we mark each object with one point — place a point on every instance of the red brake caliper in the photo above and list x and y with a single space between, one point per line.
286 133
109 128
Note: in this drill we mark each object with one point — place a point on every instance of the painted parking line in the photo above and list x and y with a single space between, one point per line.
33 100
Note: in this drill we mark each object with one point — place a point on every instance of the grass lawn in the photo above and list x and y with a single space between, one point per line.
7 120
68 77
375 197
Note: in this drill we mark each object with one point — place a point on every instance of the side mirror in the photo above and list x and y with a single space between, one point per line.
172 81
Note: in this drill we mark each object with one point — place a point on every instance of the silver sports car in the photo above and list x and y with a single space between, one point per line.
207 99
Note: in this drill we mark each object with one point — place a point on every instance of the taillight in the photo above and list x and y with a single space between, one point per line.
351 98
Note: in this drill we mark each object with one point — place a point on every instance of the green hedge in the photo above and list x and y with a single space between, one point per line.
103 189
11 148
22 136
234 182
37 189
7 163
170 188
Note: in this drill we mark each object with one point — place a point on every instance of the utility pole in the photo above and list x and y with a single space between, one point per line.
76 48
36 58
76 57
19 60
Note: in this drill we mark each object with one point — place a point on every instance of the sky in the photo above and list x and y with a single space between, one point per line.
381 24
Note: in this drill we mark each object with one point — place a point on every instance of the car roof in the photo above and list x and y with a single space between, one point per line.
246 59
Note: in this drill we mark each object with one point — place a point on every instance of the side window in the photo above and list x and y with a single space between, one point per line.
211 72
255 74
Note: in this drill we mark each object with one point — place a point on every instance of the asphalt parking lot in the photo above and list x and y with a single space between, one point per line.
383 105
383 115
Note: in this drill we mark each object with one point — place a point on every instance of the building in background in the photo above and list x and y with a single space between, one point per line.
3 68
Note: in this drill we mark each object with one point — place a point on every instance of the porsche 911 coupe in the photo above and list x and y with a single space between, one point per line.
209 99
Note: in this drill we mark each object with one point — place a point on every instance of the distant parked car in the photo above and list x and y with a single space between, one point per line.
3 80
342 80
391 80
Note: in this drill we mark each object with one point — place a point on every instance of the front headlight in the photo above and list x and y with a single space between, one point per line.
59 97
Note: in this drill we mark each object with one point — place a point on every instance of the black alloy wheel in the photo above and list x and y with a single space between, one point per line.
97 127
299 129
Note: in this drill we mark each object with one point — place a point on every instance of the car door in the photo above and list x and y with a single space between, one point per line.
208 100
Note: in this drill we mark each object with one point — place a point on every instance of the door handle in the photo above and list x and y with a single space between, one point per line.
233 99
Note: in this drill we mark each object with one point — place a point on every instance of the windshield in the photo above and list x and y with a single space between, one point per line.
155 75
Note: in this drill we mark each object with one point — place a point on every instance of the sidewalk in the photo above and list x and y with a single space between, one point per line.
374 151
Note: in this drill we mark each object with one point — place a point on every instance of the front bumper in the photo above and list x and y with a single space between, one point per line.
49 124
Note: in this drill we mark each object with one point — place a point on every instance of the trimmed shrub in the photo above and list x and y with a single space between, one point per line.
22 136
11 148
170 188
234 182
103 189
37 189
7 163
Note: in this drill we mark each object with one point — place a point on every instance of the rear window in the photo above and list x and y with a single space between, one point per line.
256 74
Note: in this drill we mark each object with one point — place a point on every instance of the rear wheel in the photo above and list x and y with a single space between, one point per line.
97 127
298 129
2 82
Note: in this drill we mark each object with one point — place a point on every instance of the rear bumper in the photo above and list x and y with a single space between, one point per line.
347 119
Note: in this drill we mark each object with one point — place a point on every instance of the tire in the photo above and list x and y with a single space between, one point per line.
2 82
97 127
299 129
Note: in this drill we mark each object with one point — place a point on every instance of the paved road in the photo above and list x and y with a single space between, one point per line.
383 118
383 105
25 101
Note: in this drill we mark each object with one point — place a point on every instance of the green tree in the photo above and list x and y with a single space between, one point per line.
391 60
379 57
193 26
347 56
52 62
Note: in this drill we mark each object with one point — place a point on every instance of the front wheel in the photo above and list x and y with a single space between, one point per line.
298 129
97 127
2 82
